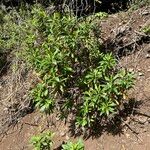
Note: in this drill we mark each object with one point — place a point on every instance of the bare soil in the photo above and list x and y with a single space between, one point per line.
121 34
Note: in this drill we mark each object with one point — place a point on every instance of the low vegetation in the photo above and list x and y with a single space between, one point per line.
73 146
76 76
146 29
43 141
67 55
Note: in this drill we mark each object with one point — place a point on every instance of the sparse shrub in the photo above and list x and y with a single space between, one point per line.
67 54
105 93
11 31
73 146
42 98
146 29
97 16
43 141
76 75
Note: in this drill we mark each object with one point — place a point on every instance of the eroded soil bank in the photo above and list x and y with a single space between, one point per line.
121 34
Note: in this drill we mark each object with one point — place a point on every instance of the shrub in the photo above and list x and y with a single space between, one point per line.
73 146
76 76
66 52
146 29
43 141
43 99
105 94
11 31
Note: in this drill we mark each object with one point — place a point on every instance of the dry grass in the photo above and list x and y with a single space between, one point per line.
14 94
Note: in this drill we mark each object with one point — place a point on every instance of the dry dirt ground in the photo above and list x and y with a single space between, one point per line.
121 34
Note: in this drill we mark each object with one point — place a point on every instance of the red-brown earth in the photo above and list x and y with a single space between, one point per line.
118 31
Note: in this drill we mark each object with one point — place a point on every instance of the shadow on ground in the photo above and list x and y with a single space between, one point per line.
121 49
114 126
80 8
4 64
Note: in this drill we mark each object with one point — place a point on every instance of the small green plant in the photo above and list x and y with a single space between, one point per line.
105 92
42 98
146 29
73 146
135 4
43 141
97 16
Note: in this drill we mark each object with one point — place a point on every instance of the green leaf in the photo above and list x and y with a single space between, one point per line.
46 92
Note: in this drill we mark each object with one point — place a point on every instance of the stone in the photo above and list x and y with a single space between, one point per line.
127 135
131 69
146 12
57 118
62 133
143 119
141 74
67 137
148 70
147 56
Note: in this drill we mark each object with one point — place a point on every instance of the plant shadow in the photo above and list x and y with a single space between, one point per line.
113 6
4 64
113 126
80 8
120 49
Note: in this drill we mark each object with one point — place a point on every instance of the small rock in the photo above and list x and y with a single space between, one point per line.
127 135
148 70
141 74
57 118
146 12
147 56
67 137
143 120
131 69
5 109
62 133
36 119
139 70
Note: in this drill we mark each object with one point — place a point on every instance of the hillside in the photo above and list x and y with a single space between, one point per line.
124 34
